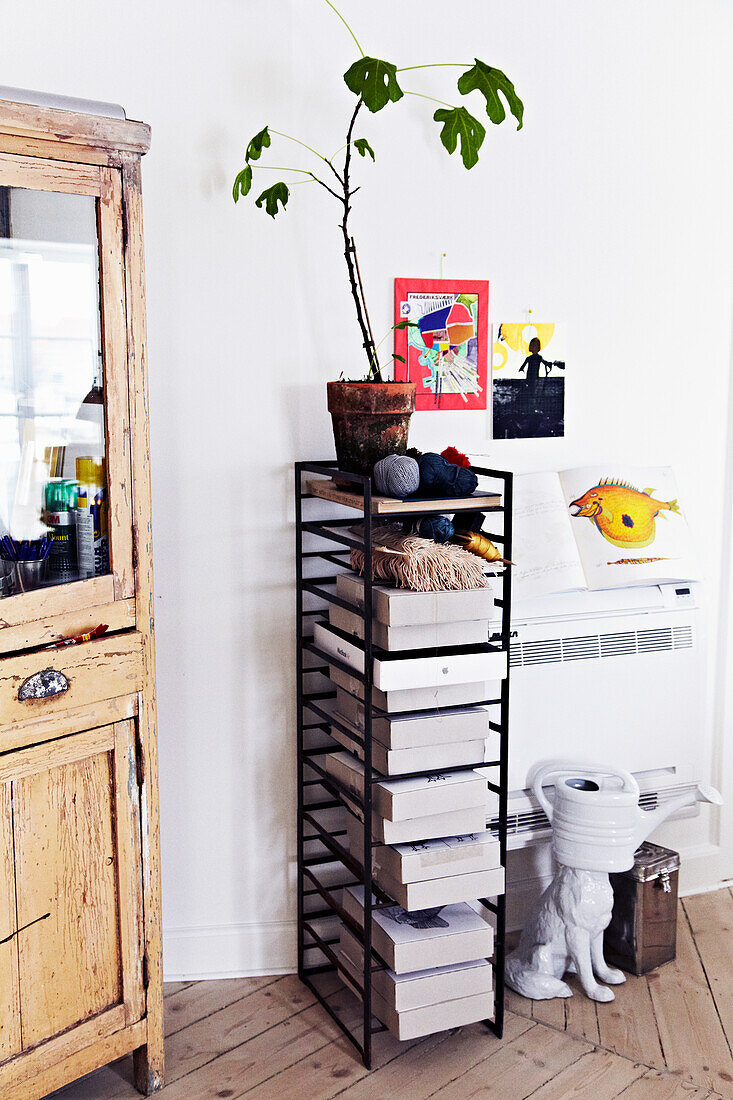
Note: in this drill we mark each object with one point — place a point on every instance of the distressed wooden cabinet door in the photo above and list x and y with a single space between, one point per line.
77 882
10 1043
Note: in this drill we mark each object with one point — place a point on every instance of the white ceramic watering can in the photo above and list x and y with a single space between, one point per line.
597 823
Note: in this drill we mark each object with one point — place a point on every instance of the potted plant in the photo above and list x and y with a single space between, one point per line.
371 417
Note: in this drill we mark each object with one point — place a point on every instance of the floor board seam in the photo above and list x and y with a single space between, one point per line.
400 1054
601 1046
656 1022
707 980
481 1061
583 1054
316 1050
208 1015
237 1046
652 1069
184 987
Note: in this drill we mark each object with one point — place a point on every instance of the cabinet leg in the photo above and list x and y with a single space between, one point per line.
148 1065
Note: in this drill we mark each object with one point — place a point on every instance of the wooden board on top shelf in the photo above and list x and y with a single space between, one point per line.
331 490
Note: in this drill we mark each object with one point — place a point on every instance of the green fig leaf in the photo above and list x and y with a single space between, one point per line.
257 144
271 196
375 81
363 147
458 123
400 357
406 324
242 182
490 82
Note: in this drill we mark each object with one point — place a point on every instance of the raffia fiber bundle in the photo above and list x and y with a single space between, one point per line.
422 565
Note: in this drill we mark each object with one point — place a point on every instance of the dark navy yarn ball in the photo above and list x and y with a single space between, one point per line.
437 528
441 478
468 521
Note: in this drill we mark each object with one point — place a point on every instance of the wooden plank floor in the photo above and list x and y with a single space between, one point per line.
667 1036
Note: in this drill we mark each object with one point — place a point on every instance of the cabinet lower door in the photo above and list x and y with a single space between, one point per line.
76 847
10 1042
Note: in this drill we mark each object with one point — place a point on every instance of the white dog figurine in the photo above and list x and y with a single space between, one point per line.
564 932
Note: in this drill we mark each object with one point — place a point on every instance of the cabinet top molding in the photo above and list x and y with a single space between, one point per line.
74 129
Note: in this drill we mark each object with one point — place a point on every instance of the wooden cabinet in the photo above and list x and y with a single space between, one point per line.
80 955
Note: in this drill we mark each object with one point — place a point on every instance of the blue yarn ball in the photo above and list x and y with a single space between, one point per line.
468 521
437 528
439 477
396 476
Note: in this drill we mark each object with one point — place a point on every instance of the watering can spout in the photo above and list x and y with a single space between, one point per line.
649 820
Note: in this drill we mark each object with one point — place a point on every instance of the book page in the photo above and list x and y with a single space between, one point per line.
543 548
629 526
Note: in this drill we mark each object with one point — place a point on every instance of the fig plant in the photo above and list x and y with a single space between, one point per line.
377 83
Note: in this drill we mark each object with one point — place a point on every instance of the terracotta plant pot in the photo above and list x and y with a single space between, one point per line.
370 420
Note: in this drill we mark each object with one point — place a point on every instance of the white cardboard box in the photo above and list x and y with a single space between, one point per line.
432 1018
417 1022
428 727
430 859
414 896
444 695
424 828
424 636
398 761
419 941
420 796
403 992
403 607
414 669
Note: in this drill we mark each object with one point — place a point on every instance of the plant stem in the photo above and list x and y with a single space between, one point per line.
281 168
430 97
338 13
310 149
437 65
303 172
363 299
298 142
329 189
350 251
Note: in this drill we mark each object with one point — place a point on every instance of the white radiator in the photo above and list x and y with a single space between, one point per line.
613 676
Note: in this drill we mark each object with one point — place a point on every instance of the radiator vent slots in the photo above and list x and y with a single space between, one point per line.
587 647
521 822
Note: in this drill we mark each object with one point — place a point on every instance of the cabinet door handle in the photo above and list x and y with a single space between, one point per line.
43 685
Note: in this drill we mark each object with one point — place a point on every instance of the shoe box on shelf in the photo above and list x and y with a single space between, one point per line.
436 871
437 973
435 697
415 668
423 1001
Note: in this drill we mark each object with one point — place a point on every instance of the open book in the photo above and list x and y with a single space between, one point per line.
598 527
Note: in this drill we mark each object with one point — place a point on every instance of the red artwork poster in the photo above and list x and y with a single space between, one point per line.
445 346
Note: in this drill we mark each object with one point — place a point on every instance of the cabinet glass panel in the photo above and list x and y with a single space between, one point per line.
53 486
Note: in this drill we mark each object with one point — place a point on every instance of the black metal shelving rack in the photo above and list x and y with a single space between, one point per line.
318 791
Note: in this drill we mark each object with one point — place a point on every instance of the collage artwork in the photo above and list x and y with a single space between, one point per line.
441 344
443 347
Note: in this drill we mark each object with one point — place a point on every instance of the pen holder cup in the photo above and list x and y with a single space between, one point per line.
30 574
6 578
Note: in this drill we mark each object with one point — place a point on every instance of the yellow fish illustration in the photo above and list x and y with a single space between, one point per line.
623 515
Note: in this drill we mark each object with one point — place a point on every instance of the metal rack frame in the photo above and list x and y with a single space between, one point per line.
313 718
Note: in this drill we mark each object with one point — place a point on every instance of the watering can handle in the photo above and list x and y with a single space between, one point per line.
543 771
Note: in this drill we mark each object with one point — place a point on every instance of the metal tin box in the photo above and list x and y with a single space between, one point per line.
643 930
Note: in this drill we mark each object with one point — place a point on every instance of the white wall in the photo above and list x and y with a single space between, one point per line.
611 210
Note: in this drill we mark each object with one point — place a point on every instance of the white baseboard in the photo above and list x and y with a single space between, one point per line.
270 947
229 951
